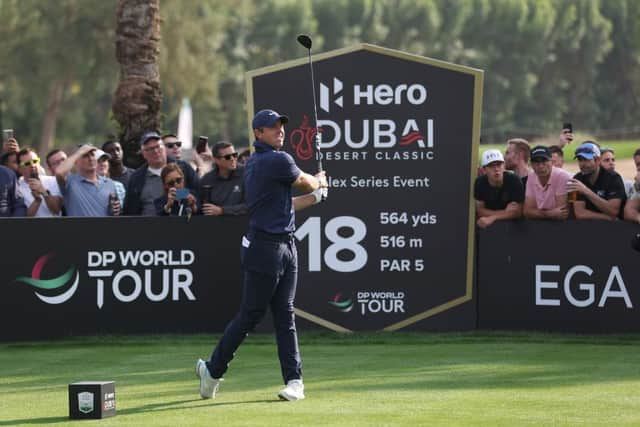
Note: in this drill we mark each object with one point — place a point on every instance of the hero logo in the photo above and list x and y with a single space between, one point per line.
382 94
587 295
324 94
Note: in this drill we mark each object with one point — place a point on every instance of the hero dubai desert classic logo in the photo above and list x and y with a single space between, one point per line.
344 306
413 137
51 284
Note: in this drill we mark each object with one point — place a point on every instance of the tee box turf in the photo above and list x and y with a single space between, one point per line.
92 399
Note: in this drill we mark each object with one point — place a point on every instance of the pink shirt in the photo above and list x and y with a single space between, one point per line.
546 196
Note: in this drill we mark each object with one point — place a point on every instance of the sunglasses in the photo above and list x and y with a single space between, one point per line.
28 163
174 182
173 144
228 156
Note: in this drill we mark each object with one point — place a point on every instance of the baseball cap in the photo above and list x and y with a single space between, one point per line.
587 150
540 152
79 146
100 154
267 118
491 156
149 135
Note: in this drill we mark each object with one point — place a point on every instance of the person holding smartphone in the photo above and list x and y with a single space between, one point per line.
41 194
9 143
566 135
177 200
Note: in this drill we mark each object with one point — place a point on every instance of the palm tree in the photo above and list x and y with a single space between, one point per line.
136 104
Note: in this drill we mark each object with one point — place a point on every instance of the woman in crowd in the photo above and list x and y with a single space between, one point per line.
177 200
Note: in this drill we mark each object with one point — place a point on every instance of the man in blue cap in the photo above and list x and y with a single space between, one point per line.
601 193
268 255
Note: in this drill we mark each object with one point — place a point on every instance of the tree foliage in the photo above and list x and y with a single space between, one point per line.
545 61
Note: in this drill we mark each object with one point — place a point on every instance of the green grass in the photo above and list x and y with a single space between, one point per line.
623 149
370 379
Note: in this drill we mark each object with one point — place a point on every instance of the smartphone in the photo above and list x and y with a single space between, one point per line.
7 134
182 193
568 126
201 147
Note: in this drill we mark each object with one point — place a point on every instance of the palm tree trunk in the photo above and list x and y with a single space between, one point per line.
136 104
50 121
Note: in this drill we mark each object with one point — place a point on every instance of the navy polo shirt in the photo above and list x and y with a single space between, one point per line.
268 176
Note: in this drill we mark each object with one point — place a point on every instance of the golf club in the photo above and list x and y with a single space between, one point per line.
305 41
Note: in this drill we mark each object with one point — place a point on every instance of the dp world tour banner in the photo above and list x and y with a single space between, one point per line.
393 244
73 276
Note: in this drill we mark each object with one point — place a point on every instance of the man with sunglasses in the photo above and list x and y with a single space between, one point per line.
40 193
222 189
173 146
145 184
268 255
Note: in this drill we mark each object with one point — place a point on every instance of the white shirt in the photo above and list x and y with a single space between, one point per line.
49 183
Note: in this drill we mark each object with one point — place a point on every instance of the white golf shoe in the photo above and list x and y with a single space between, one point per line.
293 391
208 386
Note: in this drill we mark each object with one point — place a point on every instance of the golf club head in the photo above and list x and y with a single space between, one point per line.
305 41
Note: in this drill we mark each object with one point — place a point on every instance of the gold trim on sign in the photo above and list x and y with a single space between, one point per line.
320 321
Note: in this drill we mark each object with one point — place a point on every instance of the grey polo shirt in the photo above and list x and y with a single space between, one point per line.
86 198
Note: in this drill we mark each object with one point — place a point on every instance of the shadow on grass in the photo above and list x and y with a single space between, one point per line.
151 407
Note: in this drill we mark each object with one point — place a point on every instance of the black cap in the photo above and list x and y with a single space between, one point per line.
540 152
148 136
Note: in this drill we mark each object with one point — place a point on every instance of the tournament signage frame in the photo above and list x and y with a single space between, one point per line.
394 243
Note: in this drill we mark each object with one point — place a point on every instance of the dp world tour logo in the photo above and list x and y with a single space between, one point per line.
50 284
344 306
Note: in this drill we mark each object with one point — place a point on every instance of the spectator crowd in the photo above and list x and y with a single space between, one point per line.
531 182
94 182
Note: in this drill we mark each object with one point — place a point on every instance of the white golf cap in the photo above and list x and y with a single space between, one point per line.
491 156
100 154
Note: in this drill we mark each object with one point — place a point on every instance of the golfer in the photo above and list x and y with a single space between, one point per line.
268 256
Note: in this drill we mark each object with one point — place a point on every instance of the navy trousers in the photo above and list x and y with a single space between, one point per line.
270 265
